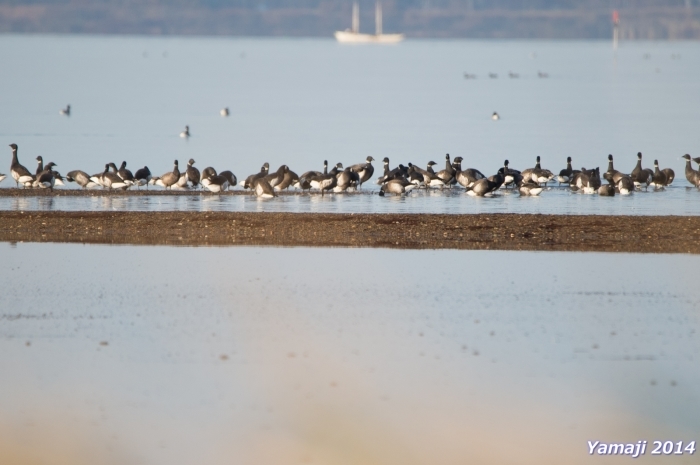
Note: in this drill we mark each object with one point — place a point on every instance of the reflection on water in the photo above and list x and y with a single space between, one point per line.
338 356
675 200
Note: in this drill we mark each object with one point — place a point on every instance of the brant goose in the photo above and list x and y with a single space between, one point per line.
45 179
510 176
111 180
466 178
495 116
659 179
290 179
65 111
40 165
168 179
607 190
19 173
641 176
263 189
326 182
364 170
143 177
248 183
186 133
231 180
448 174
125 174
215 183
567 174
224 112
81 178
396 186
193 175
690 174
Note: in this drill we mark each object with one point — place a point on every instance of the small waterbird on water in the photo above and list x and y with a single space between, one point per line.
186 133
65 111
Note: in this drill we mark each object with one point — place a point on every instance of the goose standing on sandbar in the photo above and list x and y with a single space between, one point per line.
111 180
39 165
19 173
326 182
126 174
46 179
248 183
215 183
168 179
193 175
143 177
230 178
81 178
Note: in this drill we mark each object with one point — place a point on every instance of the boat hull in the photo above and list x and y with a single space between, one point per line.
357 38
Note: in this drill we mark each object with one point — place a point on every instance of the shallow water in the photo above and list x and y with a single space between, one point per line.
161 355
298 102
674 200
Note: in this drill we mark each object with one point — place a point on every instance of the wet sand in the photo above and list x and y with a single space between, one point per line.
648 234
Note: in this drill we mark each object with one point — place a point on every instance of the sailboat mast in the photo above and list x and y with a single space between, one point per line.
355 17
378 18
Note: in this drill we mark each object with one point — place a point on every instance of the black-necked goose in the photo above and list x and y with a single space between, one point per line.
448 174
607 190
304 179
215 183
81 178
186 133
39 166
143 176
19 173
45 179
193 175
659 180
224 112
277 177
529 188
641 177
415 177
290 179
588 181
510 176
248 183
690 174
495 116
537 174
263 189
670 175
126 175
364 170
65 111
111 180
231 179
346 179
207 173
433 180
326 182
483 188
622 182
566 174
170 178
466 177
387 172
624 185
396 186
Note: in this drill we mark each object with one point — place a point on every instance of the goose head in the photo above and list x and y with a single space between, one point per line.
686 156
370 159
386 160
191 162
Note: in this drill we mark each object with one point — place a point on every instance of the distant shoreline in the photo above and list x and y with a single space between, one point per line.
631 234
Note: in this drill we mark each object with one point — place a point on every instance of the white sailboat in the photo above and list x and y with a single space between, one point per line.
354 36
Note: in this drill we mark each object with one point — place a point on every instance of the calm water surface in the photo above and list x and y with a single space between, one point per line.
160 355
299 102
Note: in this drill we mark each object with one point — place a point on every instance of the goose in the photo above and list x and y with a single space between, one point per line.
364 170
607 190
567 173
263 189
290 179
40 165
277 177
181 183
327 181
168 179
537 174
387 172
81 178
415 177
670 175
641 176
193 175
659 180
111 180
97 179
115 171
248 183
126 174
207 173
433 180
45 179
65 111
510 176
396 186
19 173
400 172
224 112
424 173
622 182
57 178
690 174
186 133
495 116
447 175
467 177
346 179
529 188
588 181
215 183
230 179
304 179
483 188
142 177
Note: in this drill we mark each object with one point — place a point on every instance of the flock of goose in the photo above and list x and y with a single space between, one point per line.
398 181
